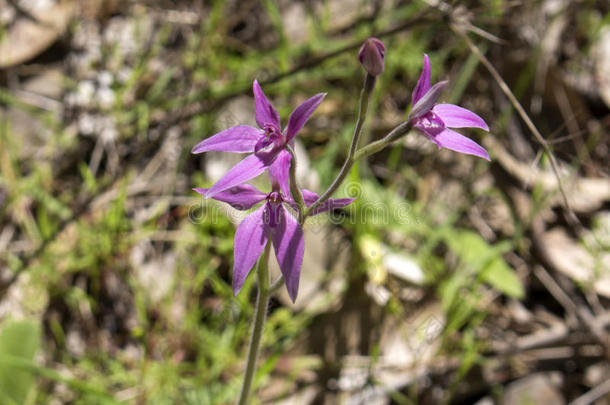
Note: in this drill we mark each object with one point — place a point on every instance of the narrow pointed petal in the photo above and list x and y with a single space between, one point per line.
279 171
423 84
289 246
245 170
264 112
250 239
457 117
238 139
301 114
426 103
310 197
331 204
452 140
242 197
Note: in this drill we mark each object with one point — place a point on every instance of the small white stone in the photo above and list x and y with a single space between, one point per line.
84 92
105 78
105 97
404 267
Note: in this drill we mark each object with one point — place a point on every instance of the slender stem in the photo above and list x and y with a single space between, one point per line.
276 285
260 316
365 93
376 146
294 186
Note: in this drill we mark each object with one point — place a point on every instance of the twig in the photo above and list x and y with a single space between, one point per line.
571 217
593 395
552 287
28 15
581 312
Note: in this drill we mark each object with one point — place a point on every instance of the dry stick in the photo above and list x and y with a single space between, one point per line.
571 217
593 395
582 313
28 15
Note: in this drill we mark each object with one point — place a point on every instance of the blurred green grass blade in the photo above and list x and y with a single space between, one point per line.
14 365
20 340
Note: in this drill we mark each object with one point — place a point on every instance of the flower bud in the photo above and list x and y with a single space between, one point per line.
371 56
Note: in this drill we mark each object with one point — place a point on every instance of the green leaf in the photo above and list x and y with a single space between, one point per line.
18 340
503 278
486 261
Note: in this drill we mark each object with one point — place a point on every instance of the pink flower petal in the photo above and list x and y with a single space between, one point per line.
264 112
238 139
452 140
242 197
250 239
331 204
289 245
301 114
245 170
457 117
309 196
279 172
425 103
423 84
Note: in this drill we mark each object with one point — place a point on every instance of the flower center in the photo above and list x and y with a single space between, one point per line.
275 197
431 123
271 131
271 138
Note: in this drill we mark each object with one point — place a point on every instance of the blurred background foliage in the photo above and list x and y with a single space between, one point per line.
450 280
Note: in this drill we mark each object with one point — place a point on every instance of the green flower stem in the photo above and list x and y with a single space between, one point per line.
260 316
376 146
276 285
294 187
365 94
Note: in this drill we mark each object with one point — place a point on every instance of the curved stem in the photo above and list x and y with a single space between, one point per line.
367 88
376 146
294 187
276 285
260 316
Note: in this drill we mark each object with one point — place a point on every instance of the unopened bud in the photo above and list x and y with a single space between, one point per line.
371 56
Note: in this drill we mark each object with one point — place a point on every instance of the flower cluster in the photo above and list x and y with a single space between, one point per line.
270 150
273 220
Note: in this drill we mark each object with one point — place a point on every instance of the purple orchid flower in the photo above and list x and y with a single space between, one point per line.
272 220
434 120
266 143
